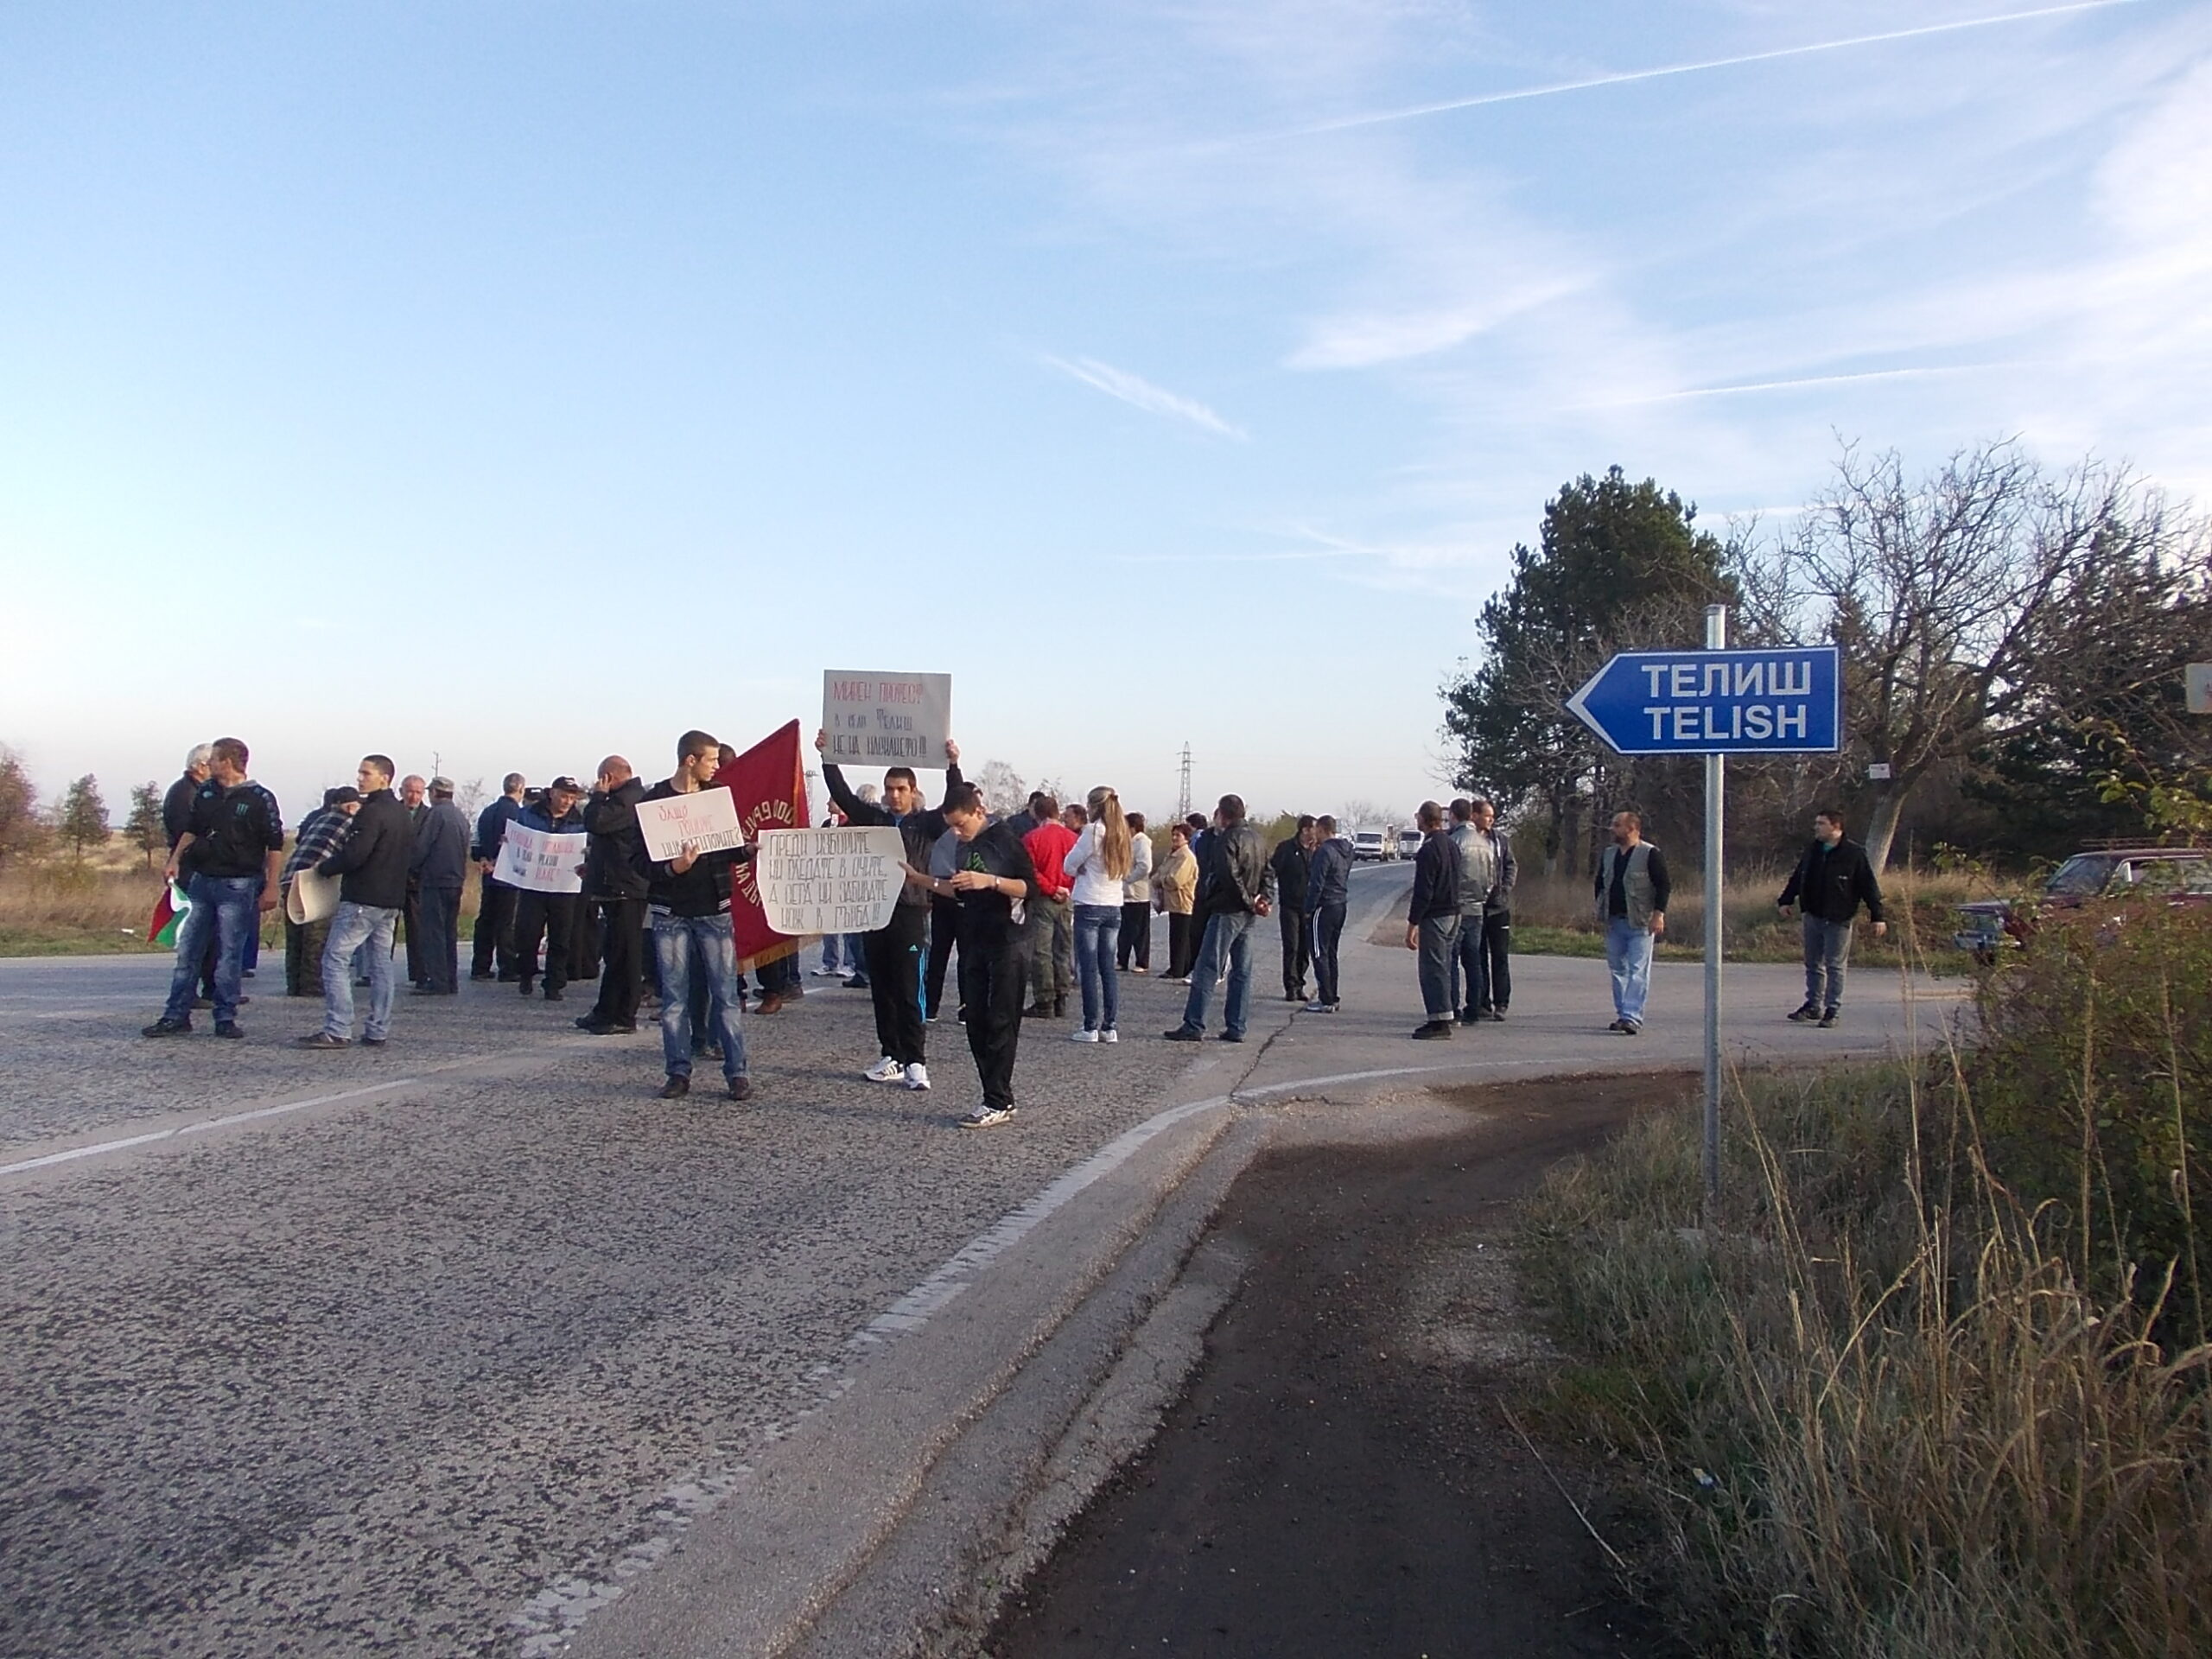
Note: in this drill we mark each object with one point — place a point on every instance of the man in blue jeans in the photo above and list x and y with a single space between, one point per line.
688 897
1237 887
371 867
1633 888
232 852
1831 881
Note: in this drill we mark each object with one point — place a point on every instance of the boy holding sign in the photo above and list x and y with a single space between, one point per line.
689 900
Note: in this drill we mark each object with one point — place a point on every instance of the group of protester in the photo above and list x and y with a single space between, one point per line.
1044 903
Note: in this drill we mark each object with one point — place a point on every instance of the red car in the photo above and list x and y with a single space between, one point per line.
2183 875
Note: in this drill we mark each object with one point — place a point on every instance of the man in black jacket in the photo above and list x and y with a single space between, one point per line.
231 854
992 875
496 901
439 867
371 865
176 818
1830 882
1237 887
689 898
1291 862
556 917
618 875
895 952
1433 919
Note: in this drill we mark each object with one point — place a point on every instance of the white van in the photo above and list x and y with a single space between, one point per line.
1369 847
1409 843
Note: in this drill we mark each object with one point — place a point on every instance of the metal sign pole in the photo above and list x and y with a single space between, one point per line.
1716 767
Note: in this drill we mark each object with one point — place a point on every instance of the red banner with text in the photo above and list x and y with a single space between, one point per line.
768 782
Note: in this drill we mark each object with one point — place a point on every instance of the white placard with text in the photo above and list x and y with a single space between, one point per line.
538 861
829 880
886 719
705 820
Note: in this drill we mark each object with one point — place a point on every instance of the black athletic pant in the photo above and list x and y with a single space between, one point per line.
1297 951
553 918
1183 940
1498 941
945 931
993 987
440 909
894 955
1328 934
1136 936
622 962
494 939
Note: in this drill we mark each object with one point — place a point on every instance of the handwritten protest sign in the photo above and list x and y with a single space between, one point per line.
829 880
538 861
886 719
706 819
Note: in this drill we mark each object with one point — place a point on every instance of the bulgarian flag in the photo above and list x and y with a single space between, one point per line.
168 912
768 784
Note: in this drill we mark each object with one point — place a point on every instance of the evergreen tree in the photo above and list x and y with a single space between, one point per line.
81 819
144 826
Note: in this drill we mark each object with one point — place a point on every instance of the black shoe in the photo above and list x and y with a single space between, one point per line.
479 973
1827 1020
609 1027
1499 1014
740 1088
372 1042
1059 1007
856 983
1230 1037
166 1027
1617 1025
228 1029
1803 1012
525 987
676 1088
1181 1034
551 996
508 979
324 1039
1433 1030
1468 1016
1632 1028
1036 1011
586 1021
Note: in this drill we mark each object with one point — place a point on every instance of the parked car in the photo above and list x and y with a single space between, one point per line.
2183 875
1369 847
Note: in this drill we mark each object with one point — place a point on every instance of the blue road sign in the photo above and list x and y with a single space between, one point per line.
1777 701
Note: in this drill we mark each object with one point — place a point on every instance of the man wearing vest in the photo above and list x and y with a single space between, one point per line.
1828 886
1633 888
1478 875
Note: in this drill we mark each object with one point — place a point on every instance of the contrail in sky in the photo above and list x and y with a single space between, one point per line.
1627 75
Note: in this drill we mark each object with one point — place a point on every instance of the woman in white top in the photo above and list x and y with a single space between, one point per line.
1100 862
1136 902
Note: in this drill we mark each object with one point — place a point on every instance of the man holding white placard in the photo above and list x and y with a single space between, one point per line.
554 916
894 952
688 898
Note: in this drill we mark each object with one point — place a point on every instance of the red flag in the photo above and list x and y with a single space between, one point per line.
768 783
162 929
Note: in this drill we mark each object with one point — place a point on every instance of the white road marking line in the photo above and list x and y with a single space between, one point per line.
200 1126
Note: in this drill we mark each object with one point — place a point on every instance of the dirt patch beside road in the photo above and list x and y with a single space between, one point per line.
1341 1476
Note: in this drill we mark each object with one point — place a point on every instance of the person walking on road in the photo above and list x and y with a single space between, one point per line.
1174 892
1632 891
1328 892
1290 861
1498 914
371 865
1100 862
439 865
555 917
1832 880
689 900
1433 919
1134 945
1477 874
617 875
896 953
321 833
994 881
1051 918
233 848
492 946
1236 889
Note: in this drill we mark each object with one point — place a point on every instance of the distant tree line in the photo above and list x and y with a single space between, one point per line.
2007 629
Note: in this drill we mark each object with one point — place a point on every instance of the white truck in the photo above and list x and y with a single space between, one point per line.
1371 845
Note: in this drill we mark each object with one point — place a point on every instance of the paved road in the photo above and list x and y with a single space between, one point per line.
441 1349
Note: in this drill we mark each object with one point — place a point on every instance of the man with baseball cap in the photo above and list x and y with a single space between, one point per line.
555 917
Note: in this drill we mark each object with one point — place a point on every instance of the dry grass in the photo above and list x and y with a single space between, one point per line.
1879 1403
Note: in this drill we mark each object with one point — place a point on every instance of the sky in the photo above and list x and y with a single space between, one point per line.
517 384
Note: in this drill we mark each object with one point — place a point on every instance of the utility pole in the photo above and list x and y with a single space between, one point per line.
1183 794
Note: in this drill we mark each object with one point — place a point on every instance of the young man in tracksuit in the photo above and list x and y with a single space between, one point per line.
688 898
1433 919
895 952
1831 881
1328 890
992 877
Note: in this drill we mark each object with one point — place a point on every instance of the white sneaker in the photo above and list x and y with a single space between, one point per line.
917 1076
1317 1006
1110 1035
985 1115
885 1070
1082 1034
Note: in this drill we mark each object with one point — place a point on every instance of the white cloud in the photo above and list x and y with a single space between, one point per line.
1140 393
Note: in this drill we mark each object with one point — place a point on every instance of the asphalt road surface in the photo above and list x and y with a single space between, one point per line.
444 1348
